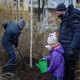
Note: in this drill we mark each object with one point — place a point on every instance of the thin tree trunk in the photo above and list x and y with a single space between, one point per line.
31 24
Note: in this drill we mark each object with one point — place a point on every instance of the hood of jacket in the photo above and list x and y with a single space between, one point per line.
72 10
58 49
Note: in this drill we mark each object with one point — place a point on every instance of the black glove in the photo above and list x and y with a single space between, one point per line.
16 45
71 53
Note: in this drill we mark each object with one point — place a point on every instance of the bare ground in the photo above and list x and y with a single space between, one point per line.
24 72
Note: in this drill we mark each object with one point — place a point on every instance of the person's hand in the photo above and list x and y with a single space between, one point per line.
16 45
71 53
44 58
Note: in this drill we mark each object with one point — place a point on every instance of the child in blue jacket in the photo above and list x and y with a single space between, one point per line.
56 58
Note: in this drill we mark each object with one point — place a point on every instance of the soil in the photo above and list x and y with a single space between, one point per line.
33 74
24 72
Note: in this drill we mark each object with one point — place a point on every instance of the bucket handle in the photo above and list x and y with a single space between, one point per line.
43 59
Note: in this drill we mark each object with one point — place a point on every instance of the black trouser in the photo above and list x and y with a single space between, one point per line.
69 70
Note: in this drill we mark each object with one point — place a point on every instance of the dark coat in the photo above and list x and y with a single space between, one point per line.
11 34
70 32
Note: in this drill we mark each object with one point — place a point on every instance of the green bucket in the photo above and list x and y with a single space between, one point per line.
42 65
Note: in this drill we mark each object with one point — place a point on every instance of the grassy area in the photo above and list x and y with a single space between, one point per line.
78 5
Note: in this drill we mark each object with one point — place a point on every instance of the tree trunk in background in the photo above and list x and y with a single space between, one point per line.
40 9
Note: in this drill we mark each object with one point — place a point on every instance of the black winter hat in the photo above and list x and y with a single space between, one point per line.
61 7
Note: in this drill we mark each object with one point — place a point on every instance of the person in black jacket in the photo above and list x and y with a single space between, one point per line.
69 37
10 38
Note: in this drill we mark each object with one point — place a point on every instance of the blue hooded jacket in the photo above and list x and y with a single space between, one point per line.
11 34
57 62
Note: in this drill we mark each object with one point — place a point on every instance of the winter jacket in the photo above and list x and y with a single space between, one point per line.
11 34
56 59
70 33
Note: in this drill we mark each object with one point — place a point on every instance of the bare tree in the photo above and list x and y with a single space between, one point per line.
40 9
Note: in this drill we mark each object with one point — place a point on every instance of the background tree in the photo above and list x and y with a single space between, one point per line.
40 9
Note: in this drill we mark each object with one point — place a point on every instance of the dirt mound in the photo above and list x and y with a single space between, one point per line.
24 72
32 73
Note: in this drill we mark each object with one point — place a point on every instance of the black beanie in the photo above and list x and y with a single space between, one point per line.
61 7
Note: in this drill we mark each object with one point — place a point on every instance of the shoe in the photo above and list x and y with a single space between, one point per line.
10 74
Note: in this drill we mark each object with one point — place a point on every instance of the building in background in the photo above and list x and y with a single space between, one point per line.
49 5
35 8
52 4
19 8
48 11
78 4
